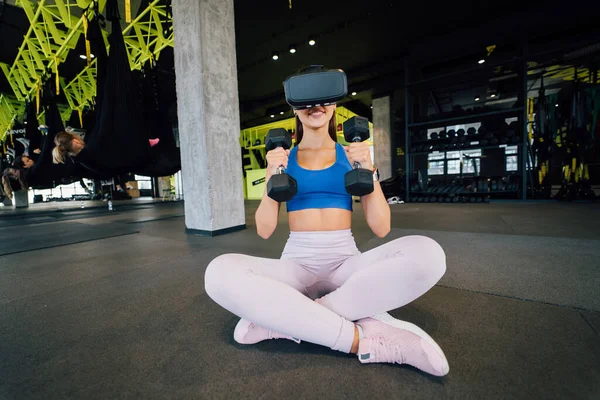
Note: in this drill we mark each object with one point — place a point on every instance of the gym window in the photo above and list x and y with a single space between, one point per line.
512 159
436 167
451 159
454 164
144 182
437 162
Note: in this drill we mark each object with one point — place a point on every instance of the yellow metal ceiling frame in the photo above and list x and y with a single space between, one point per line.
45 45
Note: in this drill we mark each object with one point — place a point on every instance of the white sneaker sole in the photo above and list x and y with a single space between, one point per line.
242 328
407 326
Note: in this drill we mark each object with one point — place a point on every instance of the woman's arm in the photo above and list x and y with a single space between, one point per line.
267 214
375 206
377 211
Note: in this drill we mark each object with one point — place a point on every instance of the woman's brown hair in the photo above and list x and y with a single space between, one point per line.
11 183
332 129
63 142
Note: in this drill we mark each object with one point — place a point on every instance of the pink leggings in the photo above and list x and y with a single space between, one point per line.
327 267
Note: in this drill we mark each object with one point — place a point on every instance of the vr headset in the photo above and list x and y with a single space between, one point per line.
316 86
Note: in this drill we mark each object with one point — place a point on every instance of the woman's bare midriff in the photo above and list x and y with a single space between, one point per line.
323 219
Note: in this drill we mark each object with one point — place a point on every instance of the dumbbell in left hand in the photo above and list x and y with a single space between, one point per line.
359 181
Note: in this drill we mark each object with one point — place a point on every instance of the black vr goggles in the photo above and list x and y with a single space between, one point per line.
316 86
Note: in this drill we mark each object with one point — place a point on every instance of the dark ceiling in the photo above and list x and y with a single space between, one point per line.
369 40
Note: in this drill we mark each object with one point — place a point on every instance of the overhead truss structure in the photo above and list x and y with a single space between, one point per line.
55 28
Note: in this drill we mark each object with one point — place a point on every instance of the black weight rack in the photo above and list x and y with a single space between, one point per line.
451 188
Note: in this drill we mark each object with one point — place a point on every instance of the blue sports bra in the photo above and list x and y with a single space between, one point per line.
322 188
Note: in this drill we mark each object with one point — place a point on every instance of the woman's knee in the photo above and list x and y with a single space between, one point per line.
435 255
219 274
430 254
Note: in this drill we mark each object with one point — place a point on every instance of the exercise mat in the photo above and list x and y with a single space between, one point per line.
60 234
9 222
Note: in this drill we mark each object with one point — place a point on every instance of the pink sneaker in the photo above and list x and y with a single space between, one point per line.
389 340
247 332
153 142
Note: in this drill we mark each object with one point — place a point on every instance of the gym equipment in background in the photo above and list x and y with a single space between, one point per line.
281 186
359 181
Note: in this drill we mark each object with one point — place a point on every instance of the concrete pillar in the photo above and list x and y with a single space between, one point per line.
208 116
382 127
398 136
21 199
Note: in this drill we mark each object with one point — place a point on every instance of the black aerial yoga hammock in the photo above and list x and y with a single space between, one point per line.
98 48
32 131
44 173
118 143
25 137
166 157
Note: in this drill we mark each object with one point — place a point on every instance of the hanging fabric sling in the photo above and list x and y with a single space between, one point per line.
118 144
98 48
33 133
166 157
44 173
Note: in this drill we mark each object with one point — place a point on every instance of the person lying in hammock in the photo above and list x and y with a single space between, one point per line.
70 144
12 180
26 173
23 162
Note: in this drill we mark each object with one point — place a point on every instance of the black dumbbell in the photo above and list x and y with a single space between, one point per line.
471 131
359 181
281 186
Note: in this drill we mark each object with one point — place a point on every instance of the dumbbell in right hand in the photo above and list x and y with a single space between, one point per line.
281 186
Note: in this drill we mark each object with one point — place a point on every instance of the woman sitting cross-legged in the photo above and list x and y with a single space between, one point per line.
323 290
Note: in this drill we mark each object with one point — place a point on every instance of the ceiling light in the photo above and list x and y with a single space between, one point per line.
83 56
481 61
556 105
311 41
371 106
477 98
353 93
493 95
292 48
281 112
272 116
275 55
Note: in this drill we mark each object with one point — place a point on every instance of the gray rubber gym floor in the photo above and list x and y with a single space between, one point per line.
517 313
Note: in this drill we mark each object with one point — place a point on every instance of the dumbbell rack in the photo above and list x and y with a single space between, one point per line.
480 189
476 189
467 141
